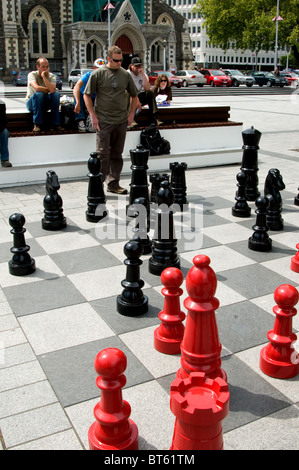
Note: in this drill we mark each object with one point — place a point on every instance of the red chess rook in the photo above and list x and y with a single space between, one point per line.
168 336
279 359
199 405
201 348
113 429
295 261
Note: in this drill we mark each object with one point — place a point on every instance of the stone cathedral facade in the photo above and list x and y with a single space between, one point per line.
73 33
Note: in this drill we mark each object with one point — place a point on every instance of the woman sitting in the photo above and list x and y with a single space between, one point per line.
162 88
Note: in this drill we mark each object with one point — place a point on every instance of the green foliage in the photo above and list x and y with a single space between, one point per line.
248 23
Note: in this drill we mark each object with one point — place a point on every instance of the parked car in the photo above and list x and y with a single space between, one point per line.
58 81
174 81
238 78
191 77
20 79
75 75
292 78
269 79
216 77
58 73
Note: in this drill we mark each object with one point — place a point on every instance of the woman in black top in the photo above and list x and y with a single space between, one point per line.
162 87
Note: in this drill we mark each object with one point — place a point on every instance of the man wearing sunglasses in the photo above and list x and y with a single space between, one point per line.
145 95
109 115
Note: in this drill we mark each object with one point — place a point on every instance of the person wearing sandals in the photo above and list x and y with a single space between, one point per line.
42 95
110 115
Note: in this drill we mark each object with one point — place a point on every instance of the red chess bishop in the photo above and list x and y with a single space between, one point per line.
201 348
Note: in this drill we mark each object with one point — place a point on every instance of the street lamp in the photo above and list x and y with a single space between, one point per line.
277 18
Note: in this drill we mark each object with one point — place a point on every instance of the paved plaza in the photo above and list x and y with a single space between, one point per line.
55 321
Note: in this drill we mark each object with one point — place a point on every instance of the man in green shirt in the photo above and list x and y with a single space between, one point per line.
109 115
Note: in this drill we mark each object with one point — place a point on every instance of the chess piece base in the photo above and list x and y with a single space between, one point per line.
130 444
17 270
90 217
130 310
246 212
295 264
278 369
166 345
54 225
259 245
157 268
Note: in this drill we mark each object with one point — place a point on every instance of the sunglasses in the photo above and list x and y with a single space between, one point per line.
163 80
116 60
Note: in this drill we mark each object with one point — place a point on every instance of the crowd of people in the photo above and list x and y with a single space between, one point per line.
109 97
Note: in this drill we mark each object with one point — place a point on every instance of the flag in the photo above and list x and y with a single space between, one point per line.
110 6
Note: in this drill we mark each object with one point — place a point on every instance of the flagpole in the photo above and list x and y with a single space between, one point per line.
109 7
276 37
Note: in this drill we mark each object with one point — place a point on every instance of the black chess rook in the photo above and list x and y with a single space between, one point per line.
164 243
251 138
178 183
21 263
53 212
132 302
96 201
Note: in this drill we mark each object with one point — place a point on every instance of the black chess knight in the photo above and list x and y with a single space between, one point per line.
53 211
273 185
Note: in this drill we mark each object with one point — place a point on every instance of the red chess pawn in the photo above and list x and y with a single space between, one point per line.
279 359
199 405
200 347
112 430
168 336
295 261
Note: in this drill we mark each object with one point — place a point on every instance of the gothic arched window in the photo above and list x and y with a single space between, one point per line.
40 28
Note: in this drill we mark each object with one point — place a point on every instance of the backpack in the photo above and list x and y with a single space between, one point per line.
67 116
150 139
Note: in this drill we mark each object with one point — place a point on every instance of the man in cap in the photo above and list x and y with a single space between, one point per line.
78 91
145 95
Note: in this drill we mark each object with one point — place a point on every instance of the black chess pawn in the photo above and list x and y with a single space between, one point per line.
241 208
296 199
251 138
142 224
53 211
273 185
164 243
178 183
139 182
21 262
260 241
96 201
132 302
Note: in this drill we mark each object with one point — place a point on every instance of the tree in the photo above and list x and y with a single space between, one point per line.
248 23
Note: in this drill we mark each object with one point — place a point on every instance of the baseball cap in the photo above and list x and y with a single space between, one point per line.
136 61
99 62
